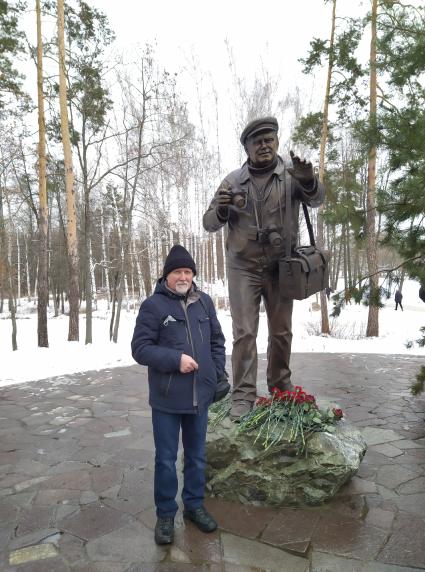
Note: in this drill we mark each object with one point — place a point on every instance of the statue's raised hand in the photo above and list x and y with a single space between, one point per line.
301 170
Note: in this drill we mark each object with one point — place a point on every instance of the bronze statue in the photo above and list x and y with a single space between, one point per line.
251 201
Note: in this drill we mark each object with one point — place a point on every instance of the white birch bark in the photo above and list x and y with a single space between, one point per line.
105 272
27 266
93 279
139 272
18 270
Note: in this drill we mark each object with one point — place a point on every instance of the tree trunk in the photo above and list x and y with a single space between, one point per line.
402 277
139 272
104 267
323 141
87 266
373 316
344 240
43 279
12 310
114 301
73 332
6 272
27 271
18 269
93 279
349 271
338 263
146 268
55 294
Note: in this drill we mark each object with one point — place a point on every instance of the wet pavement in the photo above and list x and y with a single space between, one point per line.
76 480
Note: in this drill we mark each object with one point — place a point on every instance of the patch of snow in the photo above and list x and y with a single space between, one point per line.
30 362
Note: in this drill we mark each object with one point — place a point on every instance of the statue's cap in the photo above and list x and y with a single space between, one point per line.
257 125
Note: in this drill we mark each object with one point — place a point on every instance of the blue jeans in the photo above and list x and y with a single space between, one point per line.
166 430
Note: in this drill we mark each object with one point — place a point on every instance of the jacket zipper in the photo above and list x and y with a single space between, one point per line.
195 395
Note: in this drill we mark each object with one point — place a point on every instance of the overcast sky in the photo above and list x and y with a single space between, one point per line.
271 34
254 28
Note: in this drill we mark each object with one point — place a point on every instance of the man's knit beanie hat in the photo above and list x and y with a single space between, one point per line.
178 257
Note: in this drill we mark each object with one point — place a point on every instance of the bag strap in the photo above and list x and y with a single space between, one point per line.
288 218
309 226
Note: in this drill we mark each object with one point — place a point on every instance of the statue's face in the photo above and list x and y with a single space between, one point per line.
262 148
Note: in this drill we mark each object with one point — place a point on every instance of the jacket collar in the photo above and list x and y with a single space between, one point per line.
279 170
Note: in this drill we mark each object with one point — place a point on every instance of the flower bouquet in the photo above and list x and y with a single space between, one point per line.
289 416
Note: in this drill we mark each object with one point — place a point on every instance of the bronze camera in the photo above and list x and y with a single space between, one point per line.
270 236
239 198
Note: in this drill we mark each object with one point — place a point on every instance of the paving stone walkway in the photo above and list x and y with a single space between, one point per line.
76 474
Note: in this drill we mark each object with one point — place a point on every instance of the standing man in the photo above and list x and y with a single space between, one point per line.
398 297
251 200
179 338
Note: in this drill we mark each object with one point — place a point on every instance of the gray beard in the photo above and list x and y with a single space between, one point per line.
182 289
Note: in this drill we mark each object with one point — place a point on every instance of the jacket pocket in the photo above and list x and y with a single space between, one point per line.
165 384
204 329
175 334
167 389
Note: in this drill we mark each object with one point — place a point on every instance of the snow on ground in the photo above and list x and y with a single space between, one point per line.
29 362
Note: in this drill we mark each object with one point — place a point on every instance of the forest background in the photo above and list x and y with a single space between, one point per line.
110 152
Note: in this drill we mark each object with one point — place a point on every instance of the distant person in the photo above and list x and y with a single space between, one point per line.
179 338
328 292
398 297
422 293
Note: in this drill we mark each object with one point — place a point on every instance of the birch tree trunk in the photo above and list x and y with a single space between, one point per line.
87 257
146 266
27 266
338 263
139 271
18 269
127 226
93 278
104 267
373 315
43 279
73 332
6 272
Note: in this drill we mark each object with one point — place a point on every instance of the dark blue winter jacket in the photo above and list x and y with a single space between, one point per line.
168 326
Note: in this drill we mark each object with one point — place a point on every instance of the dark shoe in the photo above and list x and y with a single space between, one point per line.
203 520
164 530
240 408
284 387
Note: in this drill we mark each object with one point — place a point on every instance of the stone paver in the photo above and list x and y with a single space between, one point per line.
76 480
237 550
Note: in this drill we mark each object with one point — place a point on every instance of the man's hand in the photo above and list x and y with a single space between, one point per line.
187 364
224 196
224 200
301 170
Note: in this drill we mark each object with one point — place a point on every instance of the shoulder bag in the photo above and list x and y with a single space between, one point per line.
303 271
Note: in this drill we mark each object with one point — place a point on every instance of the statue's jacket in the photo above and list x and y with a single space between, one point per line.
166 327
243 247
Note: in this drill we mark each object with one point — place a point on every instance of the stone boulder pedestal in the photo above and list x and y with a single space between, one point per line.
238 469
